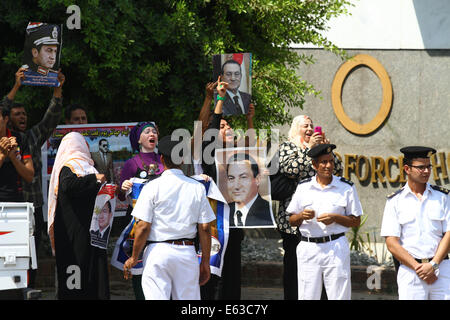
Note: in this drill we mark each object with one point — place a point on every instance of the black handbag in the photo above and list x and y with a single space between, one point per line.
281 186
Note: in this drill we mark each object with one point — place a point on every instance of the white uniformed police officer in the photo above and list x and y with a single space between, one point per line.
324 207
171 209
416 224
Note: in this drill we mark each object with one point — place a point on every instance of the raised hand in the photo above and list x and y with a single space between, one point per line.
126 185
221 87
20 76
210 89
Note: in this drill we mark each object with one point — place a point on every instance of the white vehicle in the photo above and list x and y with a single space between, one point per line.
16 244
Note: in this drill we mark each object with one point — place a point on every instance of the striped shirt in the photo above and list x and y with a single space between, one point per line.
36 136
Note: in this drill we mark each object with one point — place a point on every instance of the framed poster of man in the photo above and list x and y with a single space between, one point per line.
245 184
103 216
42 52
236 70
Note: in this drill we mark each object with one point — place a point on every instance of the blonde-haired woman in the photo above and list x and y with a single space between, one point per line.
296 165
301 139
82 269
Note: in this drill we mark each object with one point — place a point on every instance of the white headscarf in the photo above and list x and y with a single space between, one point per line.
294 132
73 152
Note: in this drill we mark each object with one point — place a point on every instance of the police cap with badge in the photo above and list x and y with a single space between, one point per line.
40 34
320 150
414 152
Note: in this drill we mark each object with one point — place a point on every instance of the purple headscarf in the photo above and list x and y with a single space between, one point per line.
135 133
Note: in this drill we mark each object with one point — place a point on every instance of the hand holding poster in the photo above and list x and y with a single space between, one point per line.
219 227
42 52
124 245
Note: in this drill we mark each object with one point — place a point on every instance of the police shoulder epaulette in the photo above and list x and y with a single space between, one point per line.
346 181
441 189
305 180
393 194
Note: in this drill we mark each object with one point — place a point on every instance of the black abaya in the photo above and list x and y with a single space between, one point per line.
82 270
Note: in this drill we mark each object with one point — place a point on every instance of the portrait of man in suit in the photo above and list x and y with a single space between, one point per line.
99 236
248 208
103 160
237 101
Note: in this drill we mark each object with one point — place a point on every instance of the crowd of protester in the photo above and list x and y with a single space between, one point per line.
316 257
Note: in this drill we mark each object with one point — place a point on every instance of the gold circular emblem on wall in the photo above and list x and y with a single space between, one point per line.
336 94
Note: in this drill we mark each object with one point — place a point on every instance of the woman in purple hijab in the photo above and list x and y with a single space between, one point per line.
145 165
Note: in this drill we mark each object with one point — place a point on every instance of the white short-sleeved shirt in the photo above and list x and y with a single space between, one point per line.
174 204
339 196
420 224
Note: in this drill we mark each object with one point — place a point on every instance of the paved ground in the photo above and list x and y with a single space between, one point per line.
264 271
252 293
122 291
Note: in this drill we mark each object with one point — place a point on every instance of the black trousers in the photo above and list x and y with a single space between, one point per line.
39 227
290 279
227 287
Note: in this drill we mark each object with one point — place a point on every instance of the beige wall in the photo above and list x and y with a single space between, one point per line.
420 114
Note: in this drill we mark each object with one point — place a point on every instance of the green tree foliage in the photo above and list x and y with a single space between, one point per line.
151 60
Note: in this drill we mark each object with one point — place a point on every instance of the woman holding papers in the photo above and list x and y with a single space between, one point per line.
81 268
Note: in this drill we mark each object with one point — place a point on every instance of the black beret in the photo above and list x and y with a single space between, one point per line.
166 145
321 149
417 152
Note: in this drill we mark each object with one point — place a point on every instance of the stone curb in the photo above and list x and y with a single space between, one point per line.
269 274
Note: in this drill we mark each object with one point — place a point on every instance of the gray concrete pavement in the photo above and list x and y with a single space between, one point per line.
123 291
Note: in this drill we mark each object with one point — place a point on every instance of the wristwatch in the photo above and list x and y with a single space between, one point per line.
434 265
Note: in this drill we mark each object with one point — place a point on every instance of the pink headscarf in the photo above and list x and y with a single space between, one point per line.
73 152
294 132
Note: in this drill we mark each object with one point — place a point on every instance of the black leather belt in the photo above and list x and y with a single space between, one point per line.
428 260
180 242
323 239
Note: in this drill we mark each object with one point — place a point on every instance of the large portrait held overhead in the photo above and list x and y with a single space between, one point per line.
42 53
236 70
244 182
